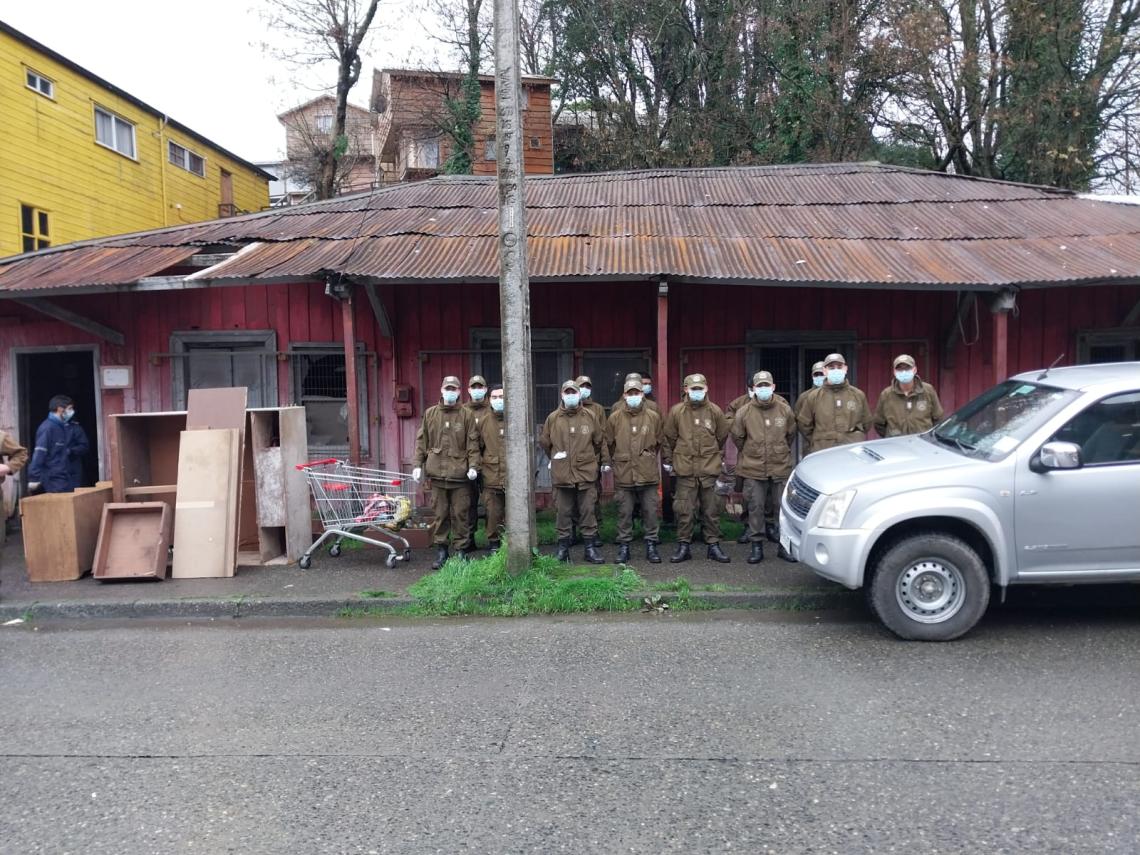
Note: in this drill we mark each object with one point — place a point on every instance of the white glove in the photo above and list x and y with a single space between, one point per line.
417 474
34 486
561 455
668 469
472 474
607 468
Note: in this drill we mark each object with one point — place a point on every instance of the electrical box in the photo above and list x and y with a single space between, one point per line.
402 402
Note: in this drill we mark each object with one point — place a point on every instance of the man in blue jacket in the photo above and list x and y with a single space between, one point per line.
51 459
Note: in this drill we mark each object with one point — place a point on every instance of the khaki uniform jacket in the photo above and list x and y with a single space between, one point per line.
694 438
835 415
479 409
597 411
764 432
900 413
647 403
733 408
492 449
633 438
447 443
577 433
12 453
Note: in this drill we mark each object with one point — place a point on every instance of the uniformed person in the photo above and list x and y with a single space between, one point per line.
647 390
738 486
909 405
492 454
818 378
837 413
50 466
633 438
447 452
476 404
695 431
586 389
575 445
763 431
648 402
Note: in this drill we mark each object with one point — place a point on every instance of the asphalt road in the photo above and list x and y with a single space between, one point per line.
734 731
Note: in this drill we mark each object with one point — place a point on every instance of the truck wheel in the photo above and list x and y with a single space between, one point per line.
930 587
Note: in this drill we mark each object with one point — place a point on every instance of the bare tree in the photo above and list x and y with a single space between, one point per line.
319 32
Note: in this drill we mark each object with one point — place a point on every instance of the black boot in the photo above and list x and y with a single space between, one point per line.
623 554
440 557
681 553
757 552
651 554
745 536
593 554
563 553
492 546
783 553
772 532
717 554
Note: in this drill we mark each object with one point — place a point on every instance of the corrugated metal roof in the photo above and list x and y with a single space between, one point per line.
832 223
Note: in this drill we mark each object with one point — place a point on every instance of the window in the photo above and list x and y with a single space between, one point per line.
490 151
524 98
1107 432
114 132
423 153
34 231
320 386
1112 345
535 143
323 122
39 83
186 159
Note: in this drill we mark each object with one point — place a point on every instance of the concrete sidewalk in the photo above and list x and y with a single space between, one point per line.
334 584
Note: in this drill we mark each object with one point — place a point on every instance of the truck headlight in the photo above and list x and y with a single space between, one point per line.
834 509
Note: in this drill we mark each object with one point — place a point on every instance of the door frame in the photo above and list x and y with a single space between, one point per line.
94 350
267 338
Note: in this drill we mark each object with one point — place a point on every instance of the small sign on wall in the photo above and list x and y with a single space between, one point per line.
117 377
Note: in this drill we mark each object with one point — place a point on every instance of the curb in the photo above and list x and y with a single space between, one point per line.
240 607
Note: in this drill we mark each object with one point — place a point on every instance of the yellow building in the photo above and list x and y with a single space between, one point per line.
81 158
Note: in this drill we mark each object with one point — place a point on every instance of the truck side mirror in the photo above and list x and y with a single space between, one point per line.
1057 455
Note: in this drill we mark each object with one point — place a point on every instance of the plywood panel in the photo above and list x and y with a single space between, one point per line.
205 516
294 448
134 540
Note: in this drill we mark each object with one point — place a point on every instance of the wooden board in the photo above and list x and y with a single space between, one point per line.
298 506
144 450
134 540
205 516
279 442
216 409
61 531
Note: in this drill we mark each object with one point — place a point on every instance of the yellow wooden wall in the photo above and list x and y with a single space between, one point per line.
49 159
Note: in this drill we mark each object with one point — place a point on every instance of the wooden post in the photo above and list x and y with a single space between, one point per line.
514 292
352 392
662 376
1002 305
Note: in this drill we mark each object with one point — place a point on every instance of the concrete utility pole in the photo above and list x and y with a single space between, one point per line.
514 291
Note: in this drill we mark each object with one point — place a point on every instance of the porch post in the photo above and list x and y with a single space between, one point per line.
1002 305
662 374
352 391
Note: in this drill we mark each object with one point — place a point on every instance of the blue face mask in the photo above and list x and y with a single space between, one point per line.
764 393
835 376
571 399
633 401
696 395
450 396
478 394
904 376
647 388
586 390
497 404
817 380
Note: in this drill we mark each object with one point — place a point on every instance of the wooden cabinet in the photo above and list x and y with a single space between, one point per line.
60 532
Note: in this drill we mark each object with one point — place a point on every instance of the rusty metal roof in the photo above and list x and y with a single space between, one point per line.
860 224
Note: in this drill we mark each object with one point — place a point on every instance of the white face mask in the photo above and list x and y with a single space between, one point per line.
477 394
497 404
585 390
450 396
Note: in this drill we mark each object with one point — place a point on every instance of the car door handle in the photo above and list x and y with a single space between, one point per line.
1027 493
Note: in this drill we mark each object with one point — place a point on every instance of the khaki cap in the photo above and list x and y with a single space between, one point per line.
817 368
632 384
451 380
478 378
570 384
696 380
584 379
761 377
835 357
903 359
633 375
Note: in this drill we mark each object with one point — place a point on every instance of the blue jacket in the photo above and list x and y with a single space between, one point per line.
51 459
77 448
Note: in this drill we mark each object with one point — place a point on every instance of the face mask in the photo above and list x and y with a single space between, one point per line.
497 404
450 396
817 380
68 414
633 401
478 394
904 376
647 388
696 395
764 393
835 376
570 399
586 390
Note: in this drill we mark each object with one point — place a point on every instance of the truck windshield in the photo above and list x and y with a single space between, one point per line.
995 423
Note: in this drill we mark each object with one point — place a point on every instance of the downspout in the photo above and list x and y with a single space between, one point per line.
162 165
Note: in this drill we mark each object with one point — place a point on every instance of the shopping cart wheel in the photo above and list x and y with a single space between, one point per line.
407 555
334 550
391 560
306 562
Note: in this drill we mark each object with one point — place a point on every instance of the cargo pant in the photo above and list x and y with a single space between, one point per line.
627 499
696 496
450 503
577 502
761 496
495 501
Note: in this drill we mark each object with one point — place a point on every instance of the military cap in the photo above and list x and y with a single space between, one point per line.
584 380
632 384
451 380
904 359
570 384
633 375
478 378
696 380
835 357
818 368
761 377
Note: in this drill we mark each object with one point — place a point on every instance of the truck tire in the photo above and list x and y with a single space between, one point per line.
929 587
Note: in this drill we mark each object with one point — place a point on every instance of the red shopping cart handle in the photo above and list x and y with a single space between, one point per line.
325 462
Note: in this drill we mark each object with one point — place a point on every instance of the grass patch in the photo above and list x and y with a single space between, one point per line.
377 595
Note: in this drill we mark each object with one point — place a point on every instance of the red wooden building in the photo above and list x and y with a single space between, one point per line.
722 271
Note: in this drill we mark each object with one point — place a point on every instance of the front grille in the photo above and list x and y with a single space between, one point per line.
801 497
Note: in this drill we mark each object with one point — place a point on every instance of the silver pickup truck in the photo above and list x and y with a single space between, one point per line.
1035 481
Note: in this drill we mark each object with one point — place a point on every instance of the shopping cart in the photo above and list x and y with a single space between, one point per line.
355 502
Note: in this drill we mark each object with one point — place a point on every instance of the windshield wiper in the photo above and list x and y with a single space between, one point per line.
965 448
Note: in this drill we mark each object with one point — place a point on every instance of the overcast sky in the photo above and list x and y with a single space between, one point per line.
202 63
